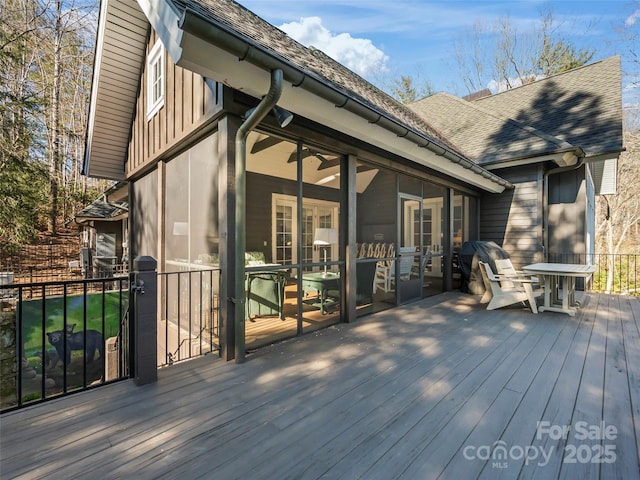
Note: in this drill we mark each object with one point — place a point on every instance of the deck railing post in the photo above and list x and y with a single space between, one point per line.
144 292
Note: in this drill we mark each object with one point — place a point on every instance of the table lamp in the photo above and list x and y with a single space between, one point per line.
325 237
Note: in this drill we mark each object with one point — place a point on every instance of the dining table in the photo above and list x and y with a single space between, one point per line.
560 276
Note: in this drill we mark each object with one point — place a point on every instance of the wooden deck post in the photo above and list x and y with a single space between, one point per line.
144 292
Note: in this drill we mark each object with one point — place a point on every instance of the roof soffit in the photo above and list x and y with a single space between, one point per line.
120 51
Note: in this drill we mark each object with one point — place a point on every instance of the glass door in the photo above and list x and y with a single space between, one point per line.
433 234
408 271
316 214
284 233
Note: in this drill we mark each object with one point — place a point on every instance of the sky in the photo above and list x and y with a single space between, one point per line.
383 39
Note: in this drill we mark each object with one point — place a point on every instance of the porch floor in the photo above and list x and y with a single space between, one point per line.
440 388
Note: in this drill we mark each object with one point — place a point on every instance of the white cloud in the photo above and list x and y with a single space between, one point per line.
357 54
631 19
501 86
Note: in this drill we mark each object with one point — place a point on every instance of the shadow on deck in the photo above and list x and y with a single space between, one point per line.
438 388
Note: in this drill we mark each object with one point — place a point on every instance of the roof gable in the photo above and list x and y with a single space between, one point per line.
102 210
582 106
120 48
485 136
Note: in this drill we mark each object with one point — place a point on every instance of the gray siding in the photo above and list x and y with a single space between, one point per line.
190 103
260 189
568 213
513 219
378 209
144 216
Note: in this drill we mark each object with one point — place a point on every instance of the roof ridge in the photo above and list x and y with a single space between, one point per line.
550 77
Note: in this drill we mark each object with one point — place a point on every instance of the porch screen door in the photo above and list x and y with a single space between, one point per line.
410 242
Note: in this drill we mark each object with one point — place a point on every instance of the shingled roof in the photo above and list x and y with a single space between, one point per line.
314 61
102 210
579 110
483 135
582 106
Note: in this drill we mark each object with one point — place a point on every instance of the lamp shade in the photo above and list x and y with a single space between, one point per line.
325 236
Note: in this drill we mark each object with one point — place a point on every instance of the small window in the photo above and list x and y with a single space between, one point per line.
155 80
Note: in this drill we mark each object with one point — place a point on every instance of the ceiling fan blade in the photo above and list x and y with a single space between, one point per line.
328 163
265 143
305 153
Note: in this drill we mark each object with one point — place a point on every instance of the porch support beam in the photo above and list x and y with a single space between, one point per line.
253 119
348 238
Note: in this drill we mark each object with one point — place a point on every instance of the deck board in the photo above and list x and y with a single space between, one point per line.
397 394
589 401
559 407
631 336
521 425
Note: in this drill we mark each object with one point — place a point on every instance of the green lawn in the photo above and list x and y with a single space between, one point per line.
32 316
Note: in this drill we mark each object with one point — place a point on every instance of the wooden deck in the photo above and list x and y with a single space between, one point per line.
436 389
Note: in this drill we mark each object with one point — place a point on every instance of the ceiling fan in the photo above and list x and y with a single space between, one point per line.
308 152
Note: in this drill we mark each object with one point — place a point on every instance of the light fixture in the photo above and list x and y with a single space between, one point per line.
283 116
325 237
327 179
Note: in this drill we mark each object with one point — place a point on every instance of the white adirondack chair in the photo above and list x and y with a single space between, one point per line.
503 290
505 267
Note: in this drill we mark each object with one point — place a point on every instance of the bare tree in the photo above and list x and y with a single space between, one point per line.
471 57
618 215
54 164
405 88
65 73
46 58
22 176
500 57
628 43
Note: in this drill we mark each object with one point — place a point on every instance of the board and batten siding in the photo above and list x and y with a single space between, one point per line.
569 218
190 103
513 218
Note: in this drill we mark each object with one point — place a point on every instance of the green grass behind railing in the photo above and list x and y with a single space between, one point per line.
617 273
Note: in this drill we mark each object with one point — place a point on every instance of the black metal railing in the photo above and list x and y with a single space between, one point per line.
616 273
189 315
62 337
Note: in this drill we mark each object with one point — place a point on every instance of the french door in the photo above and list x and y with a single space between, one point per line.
315 214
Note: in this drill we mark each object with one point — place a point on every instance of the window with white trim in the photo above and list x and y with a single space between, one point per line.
315 214
155 79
